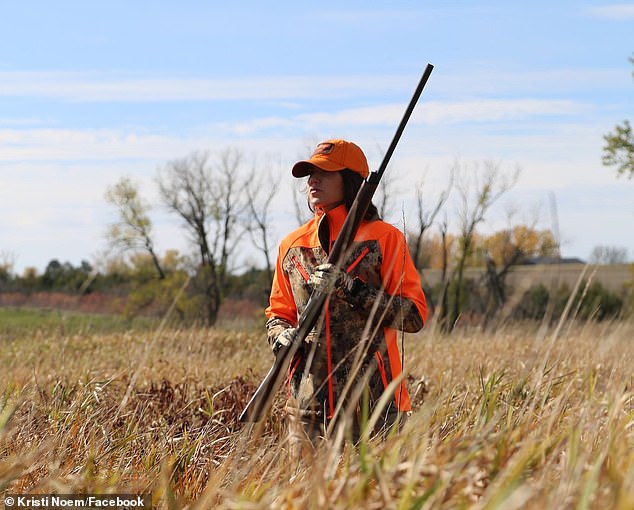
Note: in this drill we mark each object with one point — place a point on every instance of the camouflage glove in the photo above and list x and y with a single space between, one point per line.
284 339
328 278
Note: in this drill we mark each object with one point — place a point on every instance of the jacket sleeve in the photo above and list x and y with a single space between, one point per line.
400 303
282 310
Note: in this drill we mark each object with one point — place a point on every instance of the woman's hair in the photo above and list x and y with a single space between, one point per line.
351 183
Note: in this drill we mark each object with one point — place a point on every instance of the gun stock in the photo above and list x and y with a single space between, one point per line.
262 399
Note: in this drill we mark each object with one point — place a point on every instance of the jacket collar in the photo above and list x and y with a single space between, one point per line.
334 220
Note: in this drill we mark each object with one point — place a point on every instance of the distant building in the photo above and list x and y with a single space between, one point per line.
533 261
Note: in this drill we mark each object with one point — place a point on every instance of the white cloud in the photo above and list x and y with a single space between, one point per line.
491 110
39 144
488 80
255 125
620 12
285 90
91 144
86 87
428 113
20 122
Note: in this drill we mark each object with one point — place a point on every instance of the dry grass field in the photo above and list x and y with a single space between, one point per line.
524 417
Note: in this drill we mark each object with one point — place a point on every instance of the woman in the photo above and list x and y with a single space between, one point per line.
376 292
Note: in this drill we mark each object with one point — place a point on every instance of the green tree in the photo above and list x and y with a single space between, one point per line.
133 231
619 147
66 278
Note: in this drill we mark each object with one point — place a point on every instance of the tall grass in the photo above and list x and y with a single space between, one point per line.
520 418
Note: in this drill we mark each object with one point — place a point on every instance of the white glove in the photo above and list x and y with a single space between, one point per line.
284 339
328 277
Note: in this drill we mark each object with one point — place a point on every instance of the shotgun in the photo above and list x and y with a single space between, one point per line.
262 399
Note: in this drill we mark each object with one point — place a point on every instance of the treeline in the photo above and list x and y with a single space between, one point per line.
133 284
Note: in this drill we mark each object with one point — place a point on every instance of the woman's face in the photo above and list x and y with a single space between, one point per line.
325 189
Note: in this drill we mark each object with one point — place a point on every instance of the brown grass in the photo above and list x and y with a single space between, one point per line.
520 418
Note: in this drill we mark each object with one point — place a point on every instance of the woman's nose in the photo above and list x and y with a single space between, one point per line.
313 177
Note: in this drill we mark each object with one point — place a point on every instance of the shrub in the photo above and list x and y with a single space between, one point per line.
534 303
591 302
599 303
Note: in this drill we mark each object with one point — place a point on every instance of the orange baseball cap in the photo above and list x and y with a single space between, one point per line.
334 155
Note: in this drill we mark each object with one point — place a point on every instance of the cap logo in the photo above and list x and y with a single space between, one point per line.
324 148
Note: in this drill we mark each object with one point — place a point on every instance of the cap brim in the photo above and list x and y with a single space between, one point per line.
304 168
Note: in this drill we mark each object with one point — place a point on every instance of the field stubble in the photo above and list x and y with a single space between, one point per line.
519 418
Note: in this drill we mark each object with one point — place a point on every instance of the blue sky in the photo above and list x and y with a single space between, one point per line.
92 91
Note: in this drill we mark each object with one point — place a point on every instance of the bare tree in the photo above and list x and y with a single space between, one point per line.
608 255
386 189
186 189
478 189
133 231
425 217
228 207
442 311
210 199
260 190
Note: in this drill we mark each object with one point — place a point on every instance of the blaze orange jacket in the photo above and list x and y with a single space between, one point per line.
388 297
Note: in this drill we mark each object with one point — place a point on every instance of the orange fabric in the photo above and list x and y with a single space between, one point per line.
381 365
301 269
332 156
401 395
357 260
